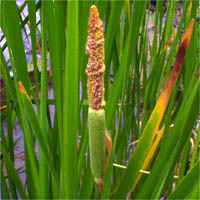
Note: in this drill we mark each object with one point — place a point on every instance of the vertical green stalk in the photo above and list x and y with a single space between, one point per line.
195 155
96 116
56 35
43 111
10 181
10 25
10 141
32 20
29 148
69 184
4 188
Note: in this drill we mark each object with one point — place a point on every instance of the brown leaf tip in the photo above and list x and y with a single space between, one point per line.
22 88
182 50
184 43
188 33
95 67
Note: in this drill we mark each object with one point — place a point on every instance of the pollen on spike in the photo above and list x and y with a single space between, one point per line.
95 67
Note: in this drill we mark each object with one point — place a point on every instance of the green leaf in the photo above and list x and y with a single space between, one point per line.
171 150
4 187
32 20
12 31
44 189
34 121
154 121
113 24
188 188
14 174
6 76
55 32
129 50
30 155
87 185
71 102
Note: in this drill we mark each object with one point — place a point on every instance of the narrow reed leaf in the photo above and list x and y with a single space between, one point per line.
11 27
107 185
4 187
71 102
10 146
55 25
30 156
43 172
6 76
32 26
82 154
10 182
34 121
55 18
102 6
149 156
113 24
189 186
192 55
195 149
154 121
180 135
170 14
184 161
174 145
176 36
179 60
13 173
127 56
87 185
109 147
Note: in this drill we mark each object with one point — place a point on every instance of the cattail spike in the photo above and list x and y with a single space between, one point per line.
95 67
95 87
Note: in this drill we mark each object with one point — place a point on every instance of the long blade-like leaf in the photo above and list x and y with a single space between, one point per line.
71 95
154 121
12 31
34 121
189 186
129 51
12 171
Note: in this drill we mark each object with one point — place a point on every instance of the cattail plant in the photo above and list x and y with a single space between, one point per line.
95 88
152 106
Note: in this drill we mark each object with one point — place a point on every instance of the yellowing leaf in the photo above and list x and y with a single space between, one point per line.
145 142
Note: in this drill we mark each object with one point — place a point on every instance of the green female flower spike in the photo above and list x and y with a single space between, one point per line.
97 142
95 72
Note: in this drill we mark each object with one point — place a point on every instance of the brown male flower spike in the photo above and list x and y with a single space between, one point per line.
95 67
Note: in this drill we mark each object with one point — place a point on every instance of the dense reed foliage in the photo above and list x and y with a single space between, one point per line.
151 91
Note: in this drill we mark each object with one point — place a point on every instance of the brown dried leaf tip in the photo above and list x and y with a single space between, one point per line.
95 67
22 88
